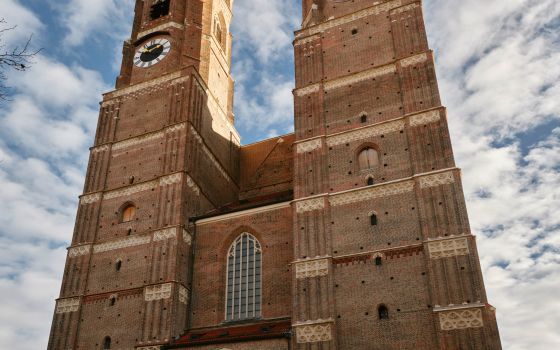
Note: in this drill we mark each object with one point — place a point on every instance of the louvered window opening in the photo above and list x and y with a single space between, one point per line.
243 298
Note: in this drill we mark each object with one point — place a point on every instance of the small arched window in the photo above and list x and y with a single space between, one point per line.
128 213
363 118
113 301
118 265
378 261
107 343
373 219
370 181
368 158
218 32
383 312
243 294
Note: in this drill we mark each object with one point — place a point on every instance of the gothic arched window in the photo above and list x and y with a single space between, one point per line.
218 32
159 9
368 158
107 343
128 212
243 295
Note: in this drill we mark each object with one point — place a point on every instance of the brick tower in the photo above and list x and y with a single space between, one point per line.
351 233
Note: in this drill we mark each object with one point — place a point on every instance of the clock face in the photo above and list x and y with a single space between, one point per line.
152 52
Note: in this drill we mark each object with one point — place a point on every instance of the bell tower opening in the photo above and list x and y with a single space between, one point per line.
160 8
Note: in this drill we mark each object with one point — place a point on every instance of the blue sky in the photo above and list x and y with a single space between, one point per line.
498 65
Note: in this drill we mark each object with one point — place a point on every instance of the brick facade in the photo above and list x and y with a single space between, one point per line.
352 258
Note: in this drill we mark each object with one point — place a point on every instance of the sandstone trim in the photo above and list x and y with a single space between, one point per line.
435 180
310 205
314 331
312 268
158 292
448 248
425 118
160 27
365 133
143 86
74 252
371 193
412 60
64 306
361 76
309 146
461 319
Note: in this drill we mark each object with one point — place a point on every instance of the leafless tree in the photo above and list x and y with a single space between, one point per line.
18 58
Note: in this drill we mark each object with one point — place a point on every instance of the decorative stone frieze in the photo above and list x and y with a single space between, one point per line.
123 243
371 193
374 10
158 292
137 140
310 205
90 198
437 180
448 248
125 192
165 234
153 347
99 149
410 61
309 146
64 306
306 40
307 90
192 185
461 319
425 118
365 133
170 179
183 295
313 268
356 78
144 86
79 251
314 331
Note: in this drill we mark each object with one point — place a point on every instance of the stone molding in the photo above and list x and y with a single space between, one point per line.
308 90
90 198
193 186
310 205
123 243
461 319
79 251
99 149
314 331
365 133
165 234
425 118
137 140
64 306
404 8
309 146
158 292
448 248
142 86
412 60
306 40
183 295
210 155
374 10
153 347
312 268
435 180
161 27
187 238
371 193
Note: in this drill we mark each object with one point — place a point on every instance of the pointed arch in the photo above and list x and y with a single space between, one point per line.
243 280
127 212
220 30
107 343
383 312
368 158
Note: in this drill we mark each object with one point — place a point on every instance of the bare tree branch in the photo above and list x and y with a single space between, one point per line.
17 58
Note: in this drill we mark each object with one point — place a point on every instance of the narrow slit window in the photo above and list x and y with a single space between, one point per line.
383 312
107 343
160 8
118 265
113 301
243 294
363 118
373 219
370 181
378 261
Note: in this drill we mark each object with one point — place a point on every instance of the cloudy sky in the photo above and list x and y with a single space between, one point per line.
498 65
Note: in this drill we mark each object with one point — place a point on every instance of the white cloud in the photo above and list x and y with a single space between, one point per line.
83 18
26 21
